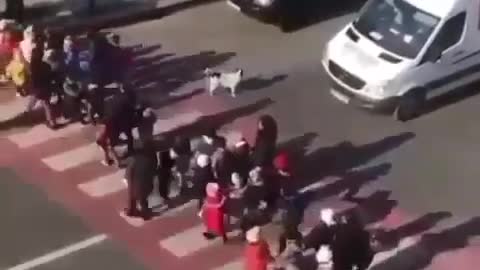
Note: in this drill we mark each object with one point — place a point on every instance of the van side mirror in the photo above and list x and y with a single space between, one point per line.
434 54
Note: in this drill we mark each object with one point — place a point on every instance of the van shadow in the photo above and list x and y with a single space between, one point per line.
430 245
317 11
451 97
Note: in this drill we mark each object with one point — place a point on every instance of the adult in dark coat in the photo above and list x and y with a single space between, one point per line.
166 164
41 86
265 142
323 233
140 174
119 118
203 174
351 245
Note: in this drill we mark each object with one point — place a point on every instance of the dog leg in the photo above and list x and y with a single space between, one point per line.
233 92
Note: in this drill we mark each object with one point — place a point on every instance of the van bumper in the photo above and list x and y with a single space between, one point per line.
349 97
263 14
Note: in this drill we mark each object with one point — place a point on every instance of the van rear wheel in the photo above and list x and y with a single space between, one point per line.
409 106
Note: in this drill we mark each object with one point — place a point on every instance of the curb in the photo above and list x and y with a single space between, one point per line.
118 19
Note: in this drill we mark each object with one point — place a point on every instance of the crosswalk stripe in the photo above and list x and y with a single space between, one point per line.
234 265
73 158
404 244
12 108
164 125
196 242
138 222
40 134
104 185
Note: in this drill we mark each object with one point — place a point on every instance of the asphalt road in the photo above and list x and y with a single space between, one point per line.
436 170
33 226
429 164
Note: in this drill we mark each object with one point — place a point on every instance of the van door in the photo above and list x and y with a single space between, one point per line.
446 70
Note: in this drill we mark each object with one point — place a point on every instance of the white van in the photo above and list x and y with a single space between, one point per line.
398 53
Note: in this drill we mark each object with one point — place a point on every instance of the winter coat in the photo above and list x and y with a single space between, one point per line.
321 234
202 176
41 80
141 172
263 152
254 195
214 214
257 256
351 247
18 72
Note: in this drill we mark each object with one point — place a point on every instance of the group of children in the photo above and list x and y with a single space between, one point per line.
248 183
52 68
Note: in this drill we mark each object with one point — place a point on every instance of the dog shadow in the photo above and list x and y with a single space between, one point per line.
258 83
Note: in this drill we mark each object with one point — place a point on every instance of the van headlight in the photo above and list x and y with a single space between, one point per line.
376 91
264 3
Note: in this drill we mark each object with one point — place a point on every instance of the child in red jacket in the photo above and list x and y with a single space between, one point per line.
214 213
257 252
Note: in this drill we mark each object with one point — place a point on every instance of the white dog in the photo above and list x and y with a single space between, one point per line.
216 79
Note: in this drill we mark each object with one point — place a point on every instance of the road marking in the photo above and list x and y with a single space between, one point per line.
12 108
104 185
404 244
165 125
317 185
235 265
73 158
41 133
60 253
139 222
196 242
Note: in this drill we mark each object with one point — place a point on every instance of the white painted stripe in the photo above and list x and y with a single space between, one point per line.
164 125
40 134
196 242
12 108
60 253
139 222
234 265
230 136
74 158
404 244
104 185
317 185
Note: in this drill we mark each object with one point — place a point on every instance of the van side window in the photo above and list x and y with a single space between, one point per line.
451 32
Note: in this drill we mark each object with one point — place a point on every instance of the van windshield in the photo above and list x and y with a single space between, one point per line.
396 26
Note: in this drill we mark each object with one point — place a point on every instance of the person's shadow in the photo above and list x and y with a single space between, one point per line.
390 239
258 83
421 255
373 208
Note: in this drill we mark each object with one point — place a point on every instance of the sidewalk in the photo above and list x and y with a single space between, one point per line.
71 15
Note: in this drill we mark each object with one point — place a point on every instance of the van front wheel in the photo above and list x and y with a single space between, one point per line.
409 107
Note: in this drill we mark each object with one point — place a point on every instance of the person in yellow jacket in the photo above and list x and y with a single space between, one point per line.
17 71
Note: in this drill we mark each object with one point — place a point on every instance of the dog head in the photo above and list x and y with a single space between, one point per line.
240 72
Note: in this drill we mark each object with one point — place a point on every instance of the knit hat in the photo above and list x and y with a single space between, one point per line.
212 189
203 160
324 256
326 215
253 235
282 162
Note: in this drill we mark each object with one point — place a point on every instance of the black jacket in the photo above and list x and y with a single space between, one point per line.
41 78
263 152
141 171
254 195
202 176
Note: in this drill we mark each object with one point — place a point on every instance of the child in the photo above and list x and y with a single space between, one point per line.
181 152
324 258
213 213
17 71
257 252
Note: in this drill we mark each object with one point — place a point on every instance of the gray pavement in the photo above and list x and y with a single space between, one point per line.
434 171
33 226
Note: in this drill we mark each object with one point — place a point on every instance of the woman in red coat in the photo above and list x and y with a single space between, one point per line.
257 252
214 213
